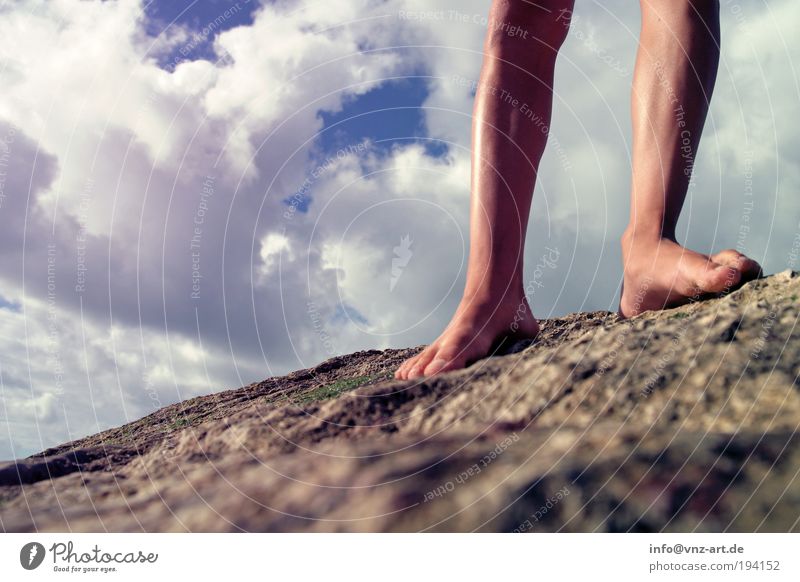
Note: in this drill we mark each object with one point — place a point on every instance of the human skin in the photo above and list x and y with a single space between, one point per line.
675 72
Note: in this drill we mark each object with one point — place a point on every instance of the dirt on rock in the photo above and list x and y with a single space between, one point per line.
681 420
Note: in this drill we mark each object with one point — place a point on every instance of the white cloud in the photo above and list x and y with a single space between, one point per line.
274 247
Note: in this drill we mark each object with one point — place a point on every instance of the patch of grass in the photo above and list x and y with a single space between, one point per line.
337 388
181 422
276 399
679 315
124 436
793 297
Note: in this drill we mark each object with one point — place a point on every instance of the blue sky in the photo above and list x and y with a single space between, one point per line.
205 18
117 117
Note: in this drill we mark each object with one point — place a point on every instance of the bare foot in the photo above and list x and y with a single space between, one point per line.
659 273
475 329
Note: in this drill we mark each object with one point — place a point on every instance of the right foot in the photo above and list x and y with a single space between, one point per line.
474 331
659 274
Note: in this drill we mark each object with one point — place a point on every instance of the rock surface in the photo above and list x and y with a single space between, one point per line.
683 420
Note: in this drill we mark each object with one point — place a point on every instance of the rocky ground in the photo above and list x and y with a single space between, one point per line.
683 420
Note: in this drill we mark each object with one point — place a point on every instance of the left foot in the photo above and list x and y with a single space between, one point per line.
476 328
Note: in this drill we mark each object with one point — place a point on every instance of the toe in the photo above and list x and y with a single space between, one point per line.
413 366
718 278
436 366
702 275
425 358
441 365
398 374
402 371
749 268
455 357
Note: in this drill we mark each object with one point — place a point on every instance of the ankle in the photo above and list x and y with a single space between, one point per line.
645 235
493 295
638 247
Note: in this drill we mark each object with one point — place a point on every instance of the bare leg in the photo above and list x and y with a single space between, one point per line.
676 69
509 133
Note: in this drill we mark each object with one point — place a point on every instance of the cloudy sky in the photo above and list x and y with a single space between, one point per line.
195 195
